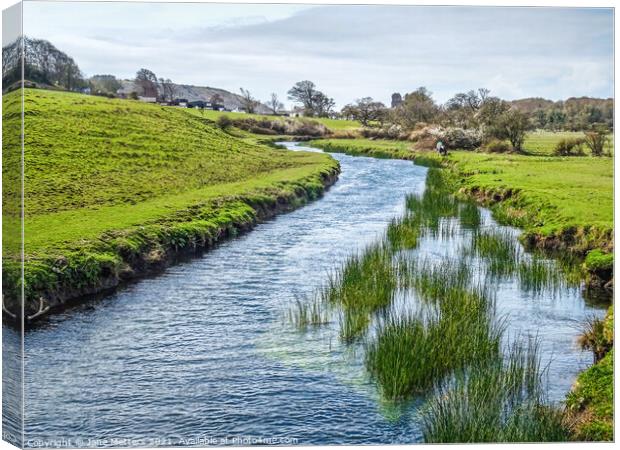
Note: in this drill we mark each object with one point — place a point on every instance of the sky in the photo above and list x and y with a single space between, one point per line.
347 51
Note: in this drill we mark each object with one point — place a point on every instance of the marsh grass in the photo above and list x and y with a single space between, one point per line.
403 232
436 203
304 315
436 282
499 248
540 276
365 283
469 216
501 400
413 351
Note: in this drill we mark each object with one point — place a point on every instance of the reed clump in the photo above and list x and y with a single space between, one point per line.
403 232
304 315
365 283
499 248
500 401
413 351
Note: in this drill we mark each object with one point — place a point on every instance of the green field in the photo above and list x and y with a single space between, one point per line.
544 142
101 175
332 124
547 195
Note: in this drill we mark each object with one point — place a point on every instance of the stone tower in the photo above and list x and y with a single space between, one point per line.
397 99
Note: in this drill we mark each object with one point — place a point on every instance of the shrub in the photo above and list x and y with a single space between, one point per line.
569 147
497 146
595 140
224 122
452 137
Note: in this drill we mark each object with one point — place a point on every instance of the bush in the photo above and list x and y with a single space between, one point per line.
596 140
497 146
224 122
294 127
452 137
569 147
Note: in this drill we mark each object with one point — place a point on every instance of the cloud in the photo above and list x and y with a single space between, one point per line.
352 51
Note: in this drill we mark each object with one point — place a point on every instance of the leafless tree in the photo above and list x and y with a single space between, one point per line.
274 103
146 82
248 103
167 87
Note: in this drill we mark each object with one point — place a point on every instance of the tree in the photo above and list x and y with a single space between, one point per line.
513 125
596 140
167 87
43 63
303 92
216 99
365 110
418 106
323 105
315 103
146 83
104 84
274 103
248 103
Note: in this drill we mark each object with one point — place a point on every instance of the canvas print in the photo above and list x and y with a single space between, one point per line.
297 224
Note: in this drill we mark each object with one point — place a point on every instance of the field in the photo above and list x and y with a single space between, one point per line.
543 142
96 169
332 124
547 194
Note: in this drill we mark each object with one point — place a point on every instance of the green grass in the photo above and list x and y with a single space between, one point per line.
107 180
592 402
544 142
332 124
364 284
366 147
500 400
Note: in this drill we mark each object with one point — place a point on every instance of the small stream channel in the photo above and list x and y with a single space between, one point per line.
202 353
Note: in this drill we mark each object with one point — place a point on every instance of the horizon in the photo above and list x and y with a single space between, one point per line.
515 52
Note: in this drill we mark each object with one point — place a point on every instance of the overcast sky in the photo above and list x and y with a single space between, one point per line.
348 51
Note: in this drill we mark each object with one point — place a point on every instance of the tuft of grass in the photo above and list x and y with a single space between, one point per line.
499 249
500 400
364 284
403 232
411 352
304 315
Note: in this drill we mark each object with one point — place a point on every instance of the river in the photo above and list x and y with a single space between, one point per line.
201 353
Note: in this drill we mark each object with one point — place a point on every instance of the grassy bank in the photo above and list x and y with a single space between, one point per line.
115 189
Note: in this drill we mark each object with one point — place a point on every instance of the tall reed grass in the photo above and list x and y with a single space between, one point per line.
501 400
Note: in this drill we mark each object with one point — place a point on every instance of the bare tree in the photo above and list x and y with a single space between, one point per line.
248 103
167 87
274 103
146 82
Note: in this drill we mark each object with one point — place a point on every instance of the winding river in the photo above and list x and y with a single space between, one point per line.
201 354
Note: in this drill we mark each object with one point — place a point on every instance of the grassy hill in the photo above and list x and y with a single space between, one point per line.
110 182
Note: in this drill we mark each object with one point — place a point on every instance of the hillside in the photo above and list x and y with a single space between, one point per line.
193 93
115 188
